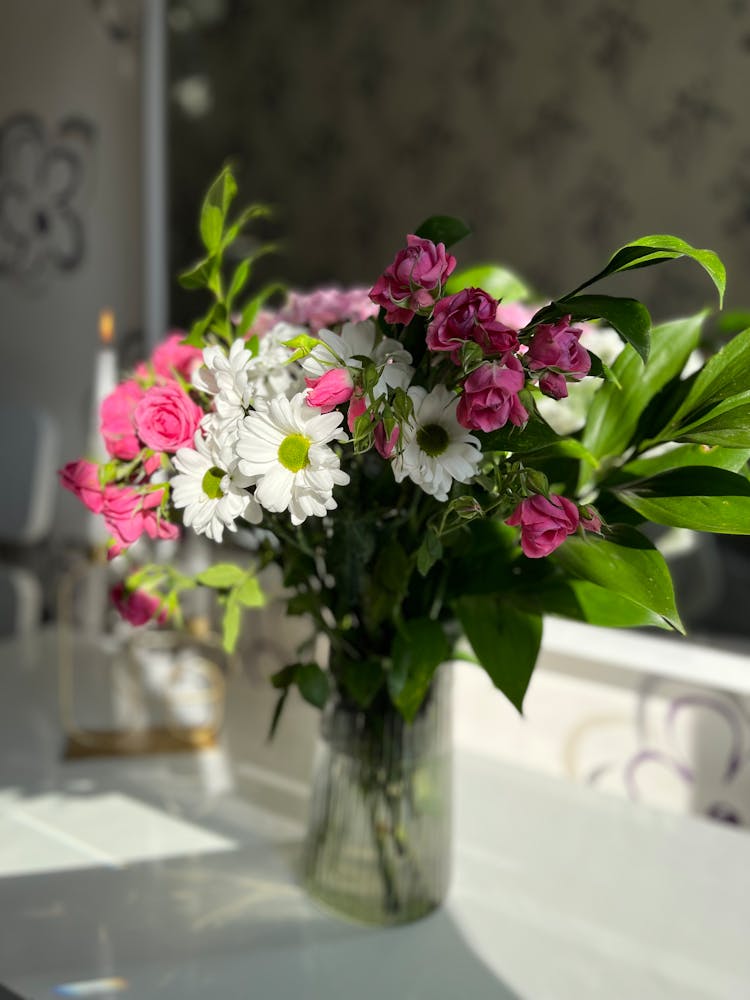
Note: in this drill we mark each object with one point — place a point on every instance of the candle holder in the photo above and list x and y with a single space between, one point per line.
124 690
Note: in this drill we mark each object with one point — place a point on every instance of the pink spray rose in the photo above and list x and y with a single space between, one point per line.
82 479
469 315
172 356
326 307
166 418
128 514
357 406
118 430
333 387
545 523
137 606
383 444
413 281
490 396
555 345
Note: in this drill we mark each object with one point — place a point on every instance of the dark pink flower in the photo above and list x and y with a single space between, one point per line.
117 427
137 606
82 479
553 385
333 387
469 315
490 396
166 418
383 444
357 406
129 514
545 523
555 345
414 280
590 519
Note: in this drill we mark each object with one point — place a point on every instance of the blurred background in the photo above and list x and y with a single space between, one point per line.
557 131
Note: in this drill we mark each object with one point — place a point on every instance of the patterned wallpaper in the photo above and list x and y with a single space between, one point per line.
558 129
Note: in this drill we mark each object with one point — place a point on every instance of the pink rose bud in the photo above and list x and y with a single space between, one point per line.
118 430
385 445
490 396
167 418
413 281
553 385
357 406
555 345
590 520
545 523
137 606
82 479
334 387
469 315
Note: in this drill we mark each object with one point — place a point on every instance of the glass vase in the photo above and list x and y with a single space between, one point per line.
379 833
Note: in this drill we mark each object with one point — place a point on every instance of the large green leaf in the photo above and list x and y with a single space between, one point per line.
648 250
726 424
686 454
627 564
443 229
701 498
584 601
726 374
616 409
418 650
533 436
215 207
505 640
498 282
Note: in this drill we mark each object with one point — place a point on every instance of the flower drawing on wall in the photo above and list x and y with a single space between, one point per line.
41 178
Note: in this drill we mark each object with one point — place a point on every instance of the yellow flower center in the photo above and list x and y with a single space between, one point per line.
212 483
293 452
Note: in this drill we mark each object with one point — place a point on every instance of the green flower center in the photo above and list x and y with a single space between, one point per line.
293 452
212 483
433 439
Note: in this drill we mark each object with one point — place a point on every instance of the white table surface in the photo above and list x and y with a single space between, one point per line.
175 874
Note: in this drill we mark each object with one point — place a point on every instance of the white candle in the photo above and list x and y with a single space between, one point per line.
104 381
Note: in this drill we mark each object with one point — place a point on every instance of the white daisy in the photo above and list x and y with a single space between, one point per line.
269 372
283 448
211 490
359 338
435 448
225 377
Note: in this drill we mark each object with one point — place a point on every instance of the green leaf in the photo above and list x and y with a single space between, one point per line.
533 436
727 424
221 576
284 678
616 409
629 317
418 650
251 308
211 226
648 250
363 679
687 454
443 229
701 498
388 584
250 594
231 624
238 282
312 683
215 207
726 374
197 276
599 369
498 282
276 717
627 564
505 640
584 601
429 551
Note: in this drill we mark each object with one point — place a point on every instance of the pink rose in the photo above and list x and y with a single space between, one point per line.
383 444
545 523
82 479
166 418
333 387
117 428
469 315
555 345
128 514
173 357
413 281
327 307
490 396
137 606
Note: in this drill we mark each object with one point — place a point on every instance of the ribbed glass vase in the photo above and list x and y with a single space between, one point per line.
379 834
